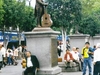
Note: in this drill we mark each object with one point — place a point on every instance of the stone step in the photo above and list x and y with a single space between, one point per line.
64 69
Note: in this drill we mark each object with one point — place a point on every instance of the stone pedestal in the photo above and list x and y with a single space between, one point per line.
42 42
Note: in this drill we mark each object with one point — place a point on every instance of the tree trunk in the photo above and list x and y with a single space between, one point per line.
63 41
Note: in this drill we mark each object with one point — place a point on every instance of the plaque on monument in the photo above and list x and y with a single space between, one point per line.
54 56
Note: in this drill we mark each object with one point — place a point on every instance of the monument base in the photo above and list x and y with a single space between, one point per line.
39 29
42 42
50 71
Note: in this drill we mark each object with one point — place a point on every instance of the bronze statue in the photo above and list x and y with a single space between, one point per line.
39 11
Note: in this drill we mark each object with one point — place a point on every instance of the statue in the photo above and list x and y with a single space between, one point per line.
39 11
43 19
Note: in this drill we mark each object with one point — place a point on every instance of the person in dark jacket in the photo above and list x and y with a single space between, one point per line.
32 63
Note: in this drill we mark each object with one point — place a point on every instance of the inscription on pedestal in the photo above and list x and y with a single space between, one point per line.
54 57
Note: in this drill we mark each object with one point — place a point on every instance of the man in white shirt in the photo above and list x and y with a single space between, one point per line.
75 55
97 60
32 64
60 49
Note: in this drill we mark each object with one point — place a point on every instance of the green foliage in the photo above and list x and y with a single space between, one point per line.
1 12
89 26
90 23
29 20
89 6
18 14
66 13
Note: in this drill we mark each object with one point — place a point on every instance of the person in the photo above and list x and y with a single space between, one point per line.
60 49
79 54
75 55
39 10
68 59
3 49
94 47
16 53
1 56
9 56
24 51
80 58
19 52
97 60
32 63
87 53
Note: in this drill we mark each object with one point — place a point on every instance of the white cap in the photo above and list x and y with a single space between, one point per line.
98 45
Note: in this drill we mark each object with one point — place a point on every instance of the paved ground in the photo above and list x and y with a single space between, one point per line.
17 70
12 70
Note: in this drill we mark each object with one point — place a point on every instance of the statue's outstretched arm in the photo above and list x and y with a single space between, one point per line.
39 1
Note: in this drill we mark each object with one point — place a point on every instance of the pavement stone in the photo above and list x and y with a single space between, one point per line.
17 70
12 70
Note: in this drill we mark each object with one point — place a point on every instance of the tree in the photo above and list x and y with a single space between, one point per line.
65 14
29 20
1 12
89 6
18 14
90 23
89 26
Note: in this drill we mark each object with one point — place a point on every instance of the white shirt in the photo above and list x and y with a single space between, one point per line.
68 57
16 52
60 47
75 55
1 56
29 62
3 50
9 53
20 49
97 55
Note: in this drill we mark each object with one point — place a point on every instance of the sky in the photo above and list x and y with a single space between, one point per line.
32 3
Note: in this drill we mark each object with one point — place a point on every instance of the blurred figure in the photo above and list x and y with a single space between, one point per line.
16 53
4 53
23 51
1 56
87 53
68 59
94 48
32 63
80 59
97 60
60 49
20 52
75 55
9 56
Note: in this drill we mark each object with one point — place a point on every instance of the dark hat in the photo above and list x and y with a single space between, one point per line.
87 43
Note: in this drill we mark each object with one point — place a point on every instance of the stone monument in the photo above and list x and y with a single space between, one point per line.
42 42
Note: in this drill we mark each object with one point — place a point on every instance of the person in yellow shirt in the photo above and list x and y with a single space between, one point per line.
87 53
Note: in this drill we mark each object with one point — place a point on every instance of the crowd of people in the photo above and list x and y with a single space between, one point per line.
72 57
86 57
10 56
